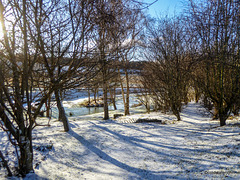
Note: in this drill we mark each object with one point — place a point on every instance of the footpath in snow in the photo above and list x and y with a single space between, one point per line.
195 148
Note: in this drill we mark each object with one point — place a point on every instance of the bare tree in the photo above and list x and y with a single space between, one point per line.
127 43
106 24
18 61
116 29
42 41
216 26
166 75
61 32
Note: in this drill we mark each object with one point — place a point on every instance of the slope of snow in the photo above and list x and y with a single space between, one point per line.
194 148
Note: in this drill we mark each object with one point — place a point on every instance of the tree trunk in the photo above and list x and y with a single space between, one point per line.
147 107
48 106
178 116
95 95
222 120
61 111
123 94
112 98
176 112
126 107
105 95
26 155
89 98
235 110
105 102
223 115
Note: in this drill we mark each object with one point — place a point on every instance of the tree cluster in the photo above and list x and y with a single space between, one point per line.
196 51
167 73
51 46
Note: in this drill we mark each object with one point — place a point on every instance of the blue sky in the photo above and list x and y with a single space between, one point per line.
164 7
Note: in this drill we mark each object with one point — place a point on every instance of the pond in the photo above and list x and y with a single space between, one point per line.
77 110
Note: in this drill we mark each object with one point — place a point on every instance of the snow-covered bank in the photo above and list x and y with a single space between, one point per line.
195 148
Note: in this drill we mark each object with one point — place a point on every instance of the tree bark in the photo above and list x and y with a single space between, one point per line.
26 154
123 93
48 106
89 98
105 102
112 98
61 111
178 116
95 95
222 120
126 106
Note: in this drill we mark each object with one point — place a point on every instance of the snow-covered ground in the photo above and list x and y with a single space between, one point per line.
194 148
